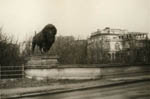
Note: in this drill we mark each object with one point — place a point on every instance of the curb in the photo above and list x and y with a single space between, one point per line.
48 92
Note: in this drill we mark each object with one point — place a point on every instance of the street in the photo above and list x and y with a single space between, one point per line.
139 90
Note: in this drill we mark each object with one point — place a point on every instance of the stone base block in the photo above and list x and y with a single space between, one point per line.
42 61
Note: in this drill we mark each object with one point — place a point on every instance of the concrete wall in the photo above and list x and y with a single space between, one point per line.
64 73
125 71
85 72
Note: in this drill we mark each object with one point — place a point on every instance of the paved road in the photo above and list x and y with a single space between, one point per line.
140 90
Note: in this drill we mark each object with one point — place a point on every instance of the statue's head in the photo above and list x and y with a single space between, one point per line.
49 29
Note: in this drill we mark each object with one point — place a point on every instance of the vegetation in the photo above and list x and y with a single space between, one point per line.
9 51
69 50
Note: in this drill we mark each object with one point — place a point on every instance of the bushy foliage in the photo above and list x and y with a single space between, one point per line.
26 48
9 51
97 54
69 50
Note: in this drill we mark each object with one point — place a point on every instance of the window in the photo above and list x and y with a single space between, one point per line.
117 46
114 37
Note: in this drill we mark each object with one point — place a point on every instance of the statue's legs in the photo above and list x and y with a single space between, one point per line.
40 47
33 47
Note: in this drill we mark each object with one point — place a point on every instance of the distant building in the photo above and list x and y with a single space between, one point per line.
113 43
135 45
137 38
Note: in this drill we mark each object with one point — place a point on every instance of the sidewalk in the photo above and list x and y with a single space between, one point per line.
59 88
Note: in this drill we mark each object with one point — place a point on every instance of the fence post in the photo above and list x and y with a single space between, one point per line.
23 71
0 79
0 72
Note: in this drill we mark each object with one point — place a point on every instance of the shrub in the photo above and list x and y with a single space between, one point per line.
9 51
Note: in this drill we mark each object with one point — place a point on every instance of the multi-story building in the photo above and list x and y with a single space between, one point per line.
135 46
113 43
137 38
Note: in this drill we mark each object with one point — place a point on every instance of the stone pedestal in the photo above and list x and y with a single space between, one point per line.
47 67
42 61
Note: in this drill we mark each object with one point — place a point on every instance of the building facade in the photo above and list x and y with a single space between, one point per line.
113 44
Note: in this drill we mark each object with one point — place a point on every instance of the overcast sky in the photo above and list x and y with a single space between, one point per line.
73 17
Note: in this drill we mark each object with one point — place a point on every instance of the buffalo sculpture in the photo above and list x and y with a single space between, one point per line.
44 39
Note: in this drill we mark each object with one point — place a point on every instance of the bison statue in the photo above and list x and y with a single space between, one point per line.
45 38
